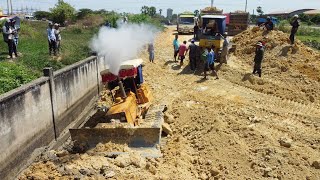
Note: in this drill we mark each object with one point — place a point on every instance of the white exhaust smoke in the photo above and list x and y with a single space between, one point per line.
123 43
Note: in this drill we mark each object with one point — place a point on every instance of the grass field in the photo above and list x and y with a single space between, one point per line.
33 45
309 38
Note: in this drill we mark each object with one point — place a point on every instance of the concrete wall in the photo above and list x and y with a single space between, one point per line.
33 114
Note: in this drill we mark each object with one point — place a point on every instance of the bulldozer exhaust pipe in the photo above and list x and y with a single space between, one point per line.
122 89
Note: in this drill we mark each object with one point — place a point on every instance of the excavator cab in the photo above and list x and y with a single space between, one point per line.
131 119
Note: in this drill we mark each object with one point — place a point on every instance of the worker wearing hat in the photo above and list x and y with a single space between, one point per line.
52 39
295 25
225 49
269 24
258 59
9 31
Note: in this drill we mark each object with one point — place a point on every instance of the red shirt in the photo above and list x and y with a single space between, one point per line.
182 49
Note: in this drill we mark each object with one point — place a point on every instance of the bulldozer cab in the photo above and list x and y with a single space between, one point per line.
212 29
131 77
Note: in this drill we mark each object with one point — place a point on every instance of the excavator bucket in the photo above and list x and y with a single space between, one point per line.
146 135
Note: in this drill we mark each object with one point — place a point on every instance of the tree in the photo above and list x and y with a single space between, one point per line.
62 11
145 10
152 11
316 19
83 13
42 14
259 10
101 11
160 11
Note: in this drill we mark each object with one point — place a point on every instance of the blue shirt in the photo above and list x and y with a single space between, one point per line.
51 34
176 44
210 57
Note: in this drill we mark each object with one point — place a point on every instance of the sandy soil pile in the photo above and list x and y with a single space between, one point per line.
288 72
222 129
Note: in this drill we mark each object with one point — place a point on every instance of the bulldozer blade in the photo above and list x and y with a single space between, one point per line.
133 137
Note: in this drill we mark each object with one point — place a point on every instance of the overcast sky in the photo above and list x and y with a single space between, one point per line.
177 5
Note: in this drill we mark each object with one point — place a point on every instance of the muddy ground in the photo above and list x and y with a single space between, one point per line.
237 127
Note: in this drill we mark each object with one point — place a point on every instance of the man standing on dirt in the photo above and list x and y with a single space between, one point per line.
209 64
295 25
182 52
52 39
258 59
151 52
195 31
192 55
175 47
225 49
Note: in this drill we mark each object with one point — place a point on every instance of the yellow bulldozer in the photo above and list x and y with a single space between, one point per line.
131 119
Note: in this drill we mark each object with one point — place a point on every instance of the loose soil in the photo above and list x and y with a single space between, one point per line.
237 127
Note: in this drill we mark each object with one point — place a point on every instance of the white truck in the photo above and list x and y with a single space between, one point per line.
185 23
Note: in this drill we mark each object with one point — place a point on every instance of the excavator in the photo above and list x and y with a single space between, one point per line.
132 119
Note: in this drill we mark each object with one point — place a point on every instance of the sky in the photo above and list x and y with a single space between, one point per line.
178 6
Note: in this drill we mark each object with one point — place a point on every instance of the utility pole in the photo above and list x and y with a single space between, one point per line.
11 7
246 6
8 7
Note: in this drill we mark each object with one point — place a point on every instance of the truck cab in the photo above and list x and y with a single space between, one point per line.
185 23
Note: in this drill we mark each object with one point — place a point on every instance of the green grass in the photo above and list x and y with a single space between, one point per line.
33 45
309 38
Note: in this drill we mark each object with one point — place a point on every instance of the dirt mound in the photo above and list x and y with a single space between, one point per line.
291 72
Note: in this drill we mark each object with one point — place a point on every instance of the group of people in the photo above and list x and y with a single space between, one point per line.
197 55
260 46
54 39
11 37
294 26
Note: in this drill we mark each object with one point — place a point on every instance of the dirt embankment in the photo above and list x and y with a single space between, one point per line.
238 127
290 72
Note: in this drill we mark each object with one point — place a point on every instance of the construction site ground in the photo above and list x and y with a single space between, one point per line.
238 127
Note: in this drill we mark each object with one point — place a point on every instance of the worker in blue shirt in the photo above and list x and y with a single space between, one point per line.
176 46
209 64
52 39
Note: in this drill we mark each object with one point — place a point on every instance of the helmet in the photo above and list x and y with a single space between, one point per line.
296 16
259 44
268 17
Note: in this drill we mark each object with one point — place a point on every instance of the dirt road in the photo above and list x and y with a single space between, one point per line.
231 128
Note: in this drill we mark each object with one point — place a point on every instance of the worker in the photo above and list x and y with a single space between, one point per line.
57 33
175 47
16 30
8 36
182 52
225 49
269 24
192 49
151 52
295 25
195 31
52 39
107 24
258 59
209 64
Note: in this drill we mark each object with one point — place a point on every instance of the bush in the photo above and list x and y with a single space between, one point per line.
62 12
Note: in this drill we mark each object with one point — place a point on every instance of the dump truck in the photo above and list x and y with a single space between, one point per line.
238 22
131 119
185 23
213 28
